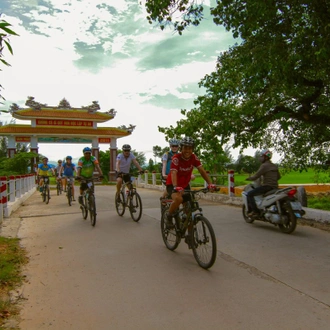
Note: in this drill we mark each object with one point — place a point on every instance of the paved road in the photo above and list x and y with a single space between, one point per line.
119 275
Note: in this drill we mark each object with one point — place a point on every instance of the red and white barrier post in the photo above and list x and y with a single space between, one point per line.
3 195
231 183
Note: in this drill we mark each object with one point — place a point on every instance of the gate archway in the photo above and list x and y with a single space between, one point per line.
64 124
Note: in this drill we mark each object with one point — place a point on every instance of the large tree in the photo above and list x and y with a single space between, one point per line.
271 89
5 33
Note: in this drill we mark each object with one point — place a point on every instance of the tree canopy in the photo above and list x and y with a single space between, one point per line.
5 33
269 90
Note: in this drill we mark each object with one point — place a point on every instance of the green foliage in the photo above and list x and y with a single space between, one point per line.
321 203
162 12
17 165
3 147
5 33
272 89
12 258
141 159
247 164
105 162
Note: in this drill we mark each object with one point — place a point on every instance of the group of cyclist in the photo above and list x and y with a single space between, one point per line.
176 172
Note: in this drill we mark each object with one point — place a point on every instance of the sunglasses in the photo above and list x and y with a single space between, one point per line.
175 146
126 151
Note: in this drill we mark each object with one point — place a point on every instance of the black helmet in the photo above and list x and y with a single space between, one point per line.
126 147
187 141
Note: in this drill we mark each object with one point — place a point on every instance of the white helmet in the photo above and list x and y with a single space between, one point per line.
267 153
174 142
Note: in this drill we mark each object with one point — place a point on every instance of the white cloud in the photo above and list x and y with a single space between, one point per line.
44 65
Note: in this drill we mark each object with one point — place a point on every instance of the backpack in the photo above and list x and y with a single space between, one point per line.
169 158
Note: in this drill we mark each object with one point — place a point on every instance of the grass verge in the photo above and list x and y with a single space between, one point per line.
12 259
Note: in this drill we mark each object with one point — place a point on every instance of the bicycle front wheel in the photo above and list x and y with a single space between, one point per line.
58 188
203 241
171 236
92 209
83 208
43 194
135 207
69 195
120 203
47 192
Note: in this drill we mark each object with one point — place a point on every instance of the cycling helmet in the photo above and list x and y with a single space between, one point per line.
59 161
68 157
187 141
87 149
267 153
44 158
126 147
174 142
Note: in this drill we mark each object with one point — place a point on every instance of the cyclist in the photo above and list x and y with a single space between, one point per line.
181 169
85 169
123 165
43 170
67 171
167 158
58 172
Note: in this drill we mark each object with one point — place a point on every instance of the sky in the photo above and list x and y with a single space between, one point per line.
106 51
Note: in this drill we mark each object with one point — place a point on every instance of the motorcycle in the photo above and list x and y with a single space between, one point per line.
279 207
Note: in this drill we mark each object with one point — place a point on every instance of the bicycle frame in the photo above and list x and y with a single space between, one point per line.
187 211
45 189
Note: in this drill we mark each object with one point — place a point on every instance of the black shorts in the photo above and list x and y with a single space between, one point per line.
185 197
125 176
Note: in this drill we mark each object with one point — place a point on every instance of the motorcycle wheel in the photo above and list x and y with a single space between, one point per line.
291 224
245 215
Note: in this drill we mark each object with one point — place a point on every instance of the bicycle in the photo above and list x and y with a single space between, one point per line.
59 187
189 217
45 193
69 192
88 204
130 198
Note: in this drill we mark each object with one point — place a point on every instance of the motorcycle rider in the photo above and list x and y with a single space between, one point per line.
269 175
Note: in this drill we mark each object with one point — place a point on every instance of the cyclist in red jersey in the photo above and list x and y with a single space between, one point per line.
182 166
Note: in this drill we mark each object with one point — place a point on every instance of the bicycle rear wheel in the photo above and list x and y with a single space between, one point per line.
47 192
203 242
171 237
92 209
120 203
135 206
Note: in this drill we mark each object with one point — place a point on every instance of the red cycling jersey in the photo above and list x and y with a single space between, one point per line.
184 168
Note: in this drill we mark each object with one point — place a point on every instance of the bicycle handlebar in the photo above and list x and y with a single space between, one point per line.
204 190
92 179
